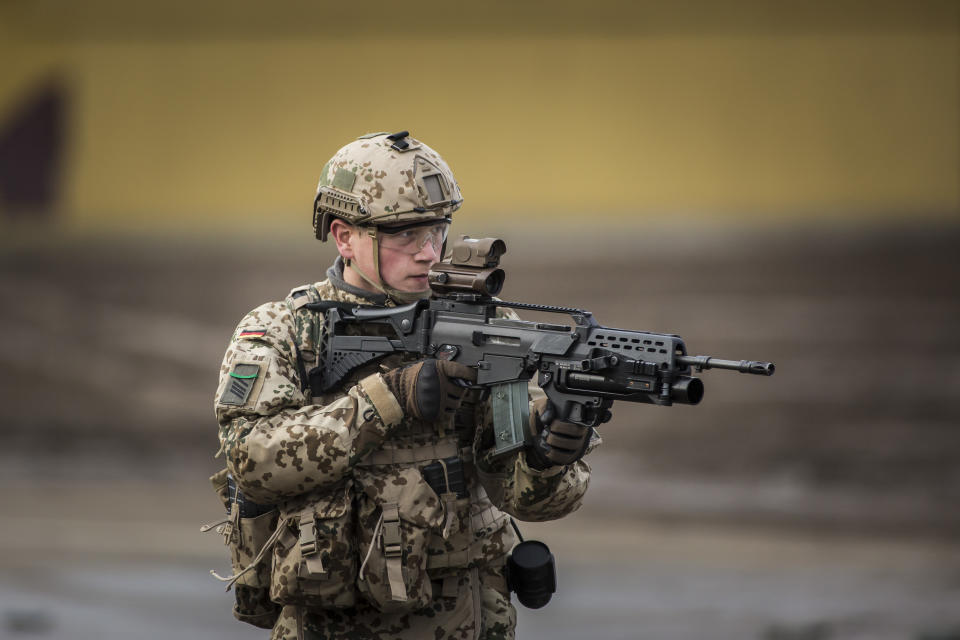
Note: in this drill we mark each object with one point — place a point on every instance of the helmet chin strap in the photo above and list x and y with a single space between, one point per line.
398 296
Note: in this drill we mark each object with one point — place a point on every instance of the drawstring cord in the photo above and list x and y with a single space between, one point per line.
207 527
373 542
449 498
232 579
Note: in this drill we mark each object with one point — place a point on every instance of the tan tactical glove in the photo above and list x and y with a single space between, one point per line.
427 390
554 443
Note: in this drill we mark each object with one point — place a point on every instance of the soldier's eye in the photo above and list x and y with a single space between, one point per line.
404 237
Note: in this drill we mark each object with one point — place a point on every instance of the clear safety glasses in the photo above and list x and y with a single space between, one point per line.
413 239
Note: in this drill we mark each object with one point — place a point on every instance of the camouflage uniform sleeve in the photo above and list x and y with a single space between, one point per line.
530 494
525 493
278 445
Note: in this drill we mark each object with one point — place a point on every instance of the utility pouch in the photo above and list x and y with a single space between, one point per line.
247 529
315 557
446 476
398 512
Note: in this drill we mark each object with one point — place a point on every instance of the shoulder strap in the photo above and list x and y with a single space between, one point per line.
307 329
302 295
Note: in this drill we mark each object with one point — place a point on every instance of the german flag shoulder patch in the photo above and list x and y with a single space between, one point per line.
252 333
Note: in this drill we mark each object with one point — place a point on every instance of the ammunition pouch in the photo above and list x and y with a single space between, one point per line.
397 516
446 476
315 556
247 529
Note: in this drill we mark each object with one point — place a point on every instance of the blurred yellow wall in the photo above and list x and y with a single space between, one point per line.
224 111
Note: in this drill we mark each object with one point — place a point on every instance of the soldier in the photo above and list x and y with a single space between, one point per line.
384 518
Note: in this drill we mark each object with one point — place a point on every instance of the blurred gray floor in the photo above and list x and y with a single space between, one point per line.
819 503
91 571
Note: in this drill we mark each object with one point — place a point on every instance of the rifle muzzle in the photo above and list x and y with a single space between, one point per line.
743 366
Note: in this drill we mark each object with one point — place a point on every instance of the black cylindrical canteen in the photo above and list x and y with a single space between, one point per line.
531 573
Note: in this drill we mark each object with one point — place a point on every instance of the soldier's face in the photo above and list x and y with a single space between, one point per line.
398 268
406 271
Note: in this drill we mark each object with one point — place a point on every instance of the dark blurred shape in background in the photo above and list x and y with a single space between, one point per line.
32 141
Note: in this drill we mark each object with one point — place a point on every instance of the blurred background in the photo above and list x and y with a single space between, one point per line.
775 181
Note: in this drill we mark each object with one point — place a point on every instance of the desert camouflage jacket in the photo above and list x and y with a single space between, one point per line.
352 457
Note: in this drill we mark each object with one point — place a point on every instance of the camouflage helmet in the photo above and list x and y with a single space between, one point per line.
384 179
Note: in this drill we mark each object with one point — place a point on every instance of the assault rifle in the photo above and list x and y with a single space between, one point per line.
582 368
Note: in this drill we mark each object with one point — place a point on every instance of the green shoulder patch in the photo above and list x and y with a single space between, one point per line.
240 384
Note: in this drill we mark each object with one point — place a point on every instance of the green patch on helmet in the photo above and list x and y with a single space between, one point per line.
344 179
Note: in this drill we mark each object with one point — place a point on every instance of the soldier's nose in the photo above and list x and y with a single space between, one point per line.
428 252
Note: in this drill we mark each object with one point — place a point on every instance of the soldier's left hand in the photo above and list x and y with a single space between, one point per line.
555 443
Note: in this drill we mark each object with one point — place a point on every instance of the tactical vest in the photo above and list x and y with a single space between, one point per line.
409 517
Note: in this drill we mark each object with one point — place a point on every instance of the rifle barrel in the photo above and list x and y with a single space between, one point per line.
743 366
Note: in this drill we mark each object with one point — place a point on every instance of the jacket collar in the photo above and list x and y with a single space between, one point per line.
335 275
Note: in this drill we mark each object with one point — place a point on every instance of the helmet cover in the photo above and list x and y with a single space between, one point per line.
384 180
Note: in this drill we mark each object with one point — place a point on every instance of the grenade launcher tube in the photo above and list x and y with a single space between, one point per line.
683 390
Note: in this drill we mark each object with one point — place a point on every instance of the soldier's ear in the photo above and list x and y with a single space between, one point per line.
342 234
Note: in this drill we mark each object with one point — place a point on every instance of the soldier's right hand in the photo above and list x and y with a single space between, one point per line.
427 389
